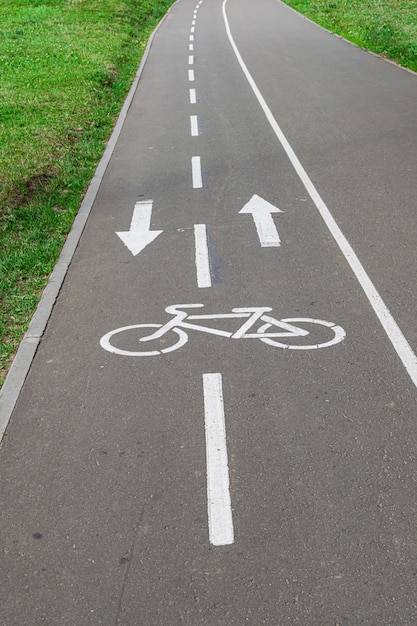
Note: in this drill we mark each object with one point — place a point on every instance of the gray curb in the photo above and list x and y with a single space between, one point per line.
22 362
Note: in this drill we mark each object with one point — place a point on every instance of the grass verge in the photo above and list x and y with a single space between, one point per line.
387 27
66 67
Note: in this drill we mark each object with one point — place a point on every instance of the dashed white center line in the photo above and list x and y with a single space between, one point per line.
191 60
192 29
196 171
194 125
190 47
202 261
191 37
193 96
191 76
220 517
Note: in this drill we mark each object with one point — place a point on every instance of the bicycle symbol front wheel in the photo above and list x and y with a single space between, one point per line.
338 334
129 334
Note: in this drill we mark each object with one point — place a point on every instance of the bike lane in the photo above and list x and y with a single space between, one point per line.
107 452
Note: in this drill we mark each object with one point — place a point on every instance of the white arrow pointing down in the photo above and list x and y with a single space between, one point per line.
139 235
262 216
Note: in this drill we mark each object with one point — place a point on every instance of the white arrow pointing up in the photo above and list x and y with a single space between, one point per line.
139 235
262 216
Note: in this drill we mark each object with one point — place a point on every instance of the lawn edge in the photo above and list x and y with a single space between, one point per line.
23 359
351 43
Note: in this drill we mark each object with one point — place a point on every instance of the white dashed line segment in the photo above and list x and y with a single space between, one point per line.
194 125
196 172
220 517
202 260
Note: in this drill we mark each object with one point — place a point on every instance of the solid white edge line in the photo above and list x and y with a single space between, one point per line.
194 125
202 261
220 519
12 386
393 331
196 172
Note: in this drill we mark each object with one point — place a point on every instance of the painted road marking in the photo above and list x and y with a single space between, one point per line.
191 37
193 96
393 331
13 384
192 29
194 125
220 519
261 211
139 235
191 76
190 47
202 259
191 60
321 333
196 172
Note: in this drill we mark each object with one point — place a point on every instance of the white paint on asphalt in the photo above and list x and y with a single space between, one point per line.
139 235
202 260
194 125
19 369
261 211
271 332
196 172
193 96
191 37
390 326
219 505
191 76
191 60
190 47
192 29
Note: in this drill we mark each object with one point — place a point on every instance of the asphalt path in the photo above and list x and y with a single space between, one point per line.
226 480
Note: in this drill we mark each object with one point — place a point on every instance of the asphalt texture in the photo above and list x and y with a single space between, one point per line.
104 514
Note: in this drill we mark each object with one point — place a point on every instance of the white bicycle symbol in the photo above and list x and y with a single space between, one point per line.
268 332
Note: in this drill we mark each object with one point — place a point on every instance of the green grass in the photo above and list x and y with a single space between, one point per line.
387 27
66 67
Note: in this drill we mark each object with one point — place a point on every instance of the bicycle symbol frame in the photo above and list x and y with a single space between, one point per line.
182 320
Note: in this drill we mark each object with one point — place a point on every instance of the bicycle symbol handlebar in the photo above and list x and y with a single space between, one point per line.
270 332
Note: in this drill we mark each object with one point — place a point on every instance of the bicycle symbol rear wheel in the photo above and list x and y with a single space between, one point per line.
129 331
338 334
